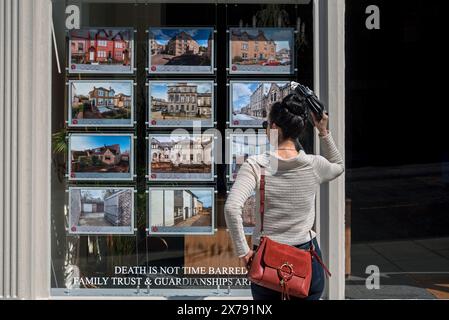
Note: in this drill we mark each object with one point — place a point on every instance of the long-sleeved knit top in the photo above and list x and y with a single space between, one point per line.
290 190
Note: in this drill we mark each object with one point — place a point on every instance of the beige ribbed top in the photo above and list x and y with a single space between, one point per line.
290 190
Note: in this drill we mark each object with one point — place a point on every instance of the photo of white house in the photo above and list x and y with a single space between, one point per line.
187 157
181 210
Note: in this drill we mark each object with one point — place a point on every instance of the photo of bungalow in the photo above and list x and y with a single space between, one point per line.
175 48
252 101
108 50
261 50
100 155
242 147
101 103
181 210
181 100
181 154
101 210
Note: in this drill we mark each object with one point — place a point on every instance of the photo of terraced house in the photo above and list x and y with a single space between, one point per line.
97 103
181 210
95 210
175 50
261 50
251 101
101 51
181 103
100 156
181 157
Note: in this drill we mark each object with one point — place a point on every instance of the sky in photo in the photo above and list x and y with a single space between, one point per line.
159 90
84 33
205 196
169 138
83 88
282 37
162 36
242 91
85 142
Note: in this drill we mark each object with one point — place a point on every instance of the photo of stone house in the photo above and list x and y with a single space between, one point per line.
108 50
181 49
181 100
252 100
261 50
181 210
243 146
101 103
101 210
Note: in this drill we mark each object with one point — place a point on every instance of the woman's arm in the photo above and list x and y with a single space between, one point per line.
242 189
331 164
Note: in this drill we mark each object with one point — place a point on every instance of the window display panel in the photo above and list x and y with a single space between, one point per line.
181 50
101 156
261 50
181 103
251 101
101 50
242 146
181 157
96 210
181 211
101 103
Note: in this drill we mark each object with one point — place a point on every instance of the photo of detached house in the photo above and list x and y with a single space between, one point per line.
174 50
98 103
181 157
101 51
242 146
181 210
100 156
181 103
261 50
101 210
251 101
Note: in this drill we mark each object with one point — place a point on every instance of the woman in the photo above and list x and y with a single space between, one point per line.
291 182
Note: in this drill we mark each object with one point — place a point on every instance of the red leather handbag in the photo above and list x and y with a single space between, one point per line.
281 267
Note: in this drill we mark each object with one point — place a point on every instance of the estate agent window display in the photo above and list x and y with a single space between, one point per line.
139 209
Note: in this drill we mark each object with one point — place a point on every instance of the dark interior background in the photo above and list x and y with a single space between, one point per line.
396 111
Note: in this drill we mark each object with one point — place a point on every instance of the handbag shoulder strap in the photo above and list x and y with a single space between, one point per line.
262 197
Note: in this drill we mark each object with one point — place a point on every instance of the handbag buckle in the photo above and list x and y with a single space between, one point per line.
285 272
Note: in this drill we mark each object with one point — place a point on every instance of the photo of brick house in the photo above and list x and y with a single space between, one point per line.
181 100
101 210
99 155
110 49
261 50
180 49
181 157
252 100
101 103
181 209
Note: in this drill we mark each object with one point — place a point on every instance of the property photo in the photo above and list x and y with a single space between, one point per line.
251 101
181 210
249 214
182 157
242 146
181 50
100 156
102 50
96 210
101 103
181 103
261 50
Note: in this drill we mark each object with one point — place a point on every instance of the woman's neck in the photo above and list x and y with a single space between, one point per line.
286 149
